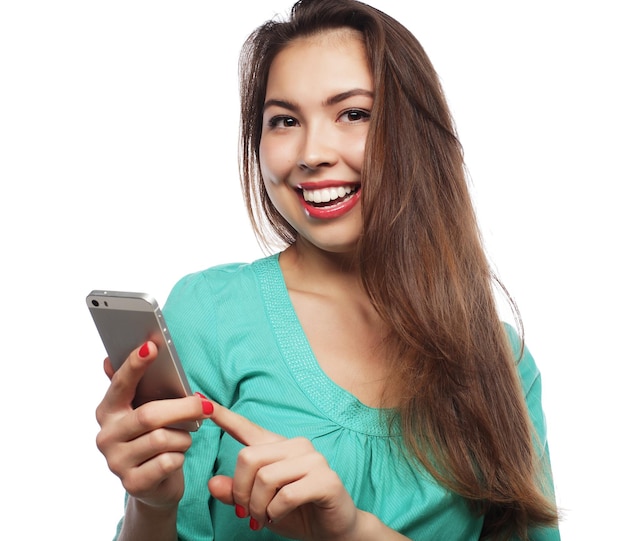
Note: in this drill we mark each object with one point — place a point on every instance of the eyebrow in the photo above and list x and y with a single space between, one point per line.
333 100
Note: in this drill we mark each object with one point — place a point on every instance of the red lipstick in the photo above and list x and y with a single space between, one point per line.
332 209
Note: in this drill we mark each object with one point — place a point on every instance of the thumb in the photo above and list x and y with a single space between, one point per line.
221 488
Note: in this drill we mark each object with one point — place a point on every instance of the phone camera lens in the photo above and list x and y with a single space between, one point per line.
95 302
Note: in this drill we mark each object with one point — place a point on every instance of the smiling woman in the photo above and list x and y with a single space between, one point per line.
359 382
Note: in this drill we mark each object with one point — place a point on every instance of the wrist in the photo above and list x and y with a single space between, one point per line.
143 521
149 509
370 528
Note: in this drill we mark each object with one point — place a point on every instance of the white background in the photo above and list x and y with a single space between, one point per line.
118 170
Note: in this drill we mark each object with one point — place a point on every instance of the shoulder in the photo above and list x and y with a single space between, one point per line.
230 279
530 380
211 277
526 366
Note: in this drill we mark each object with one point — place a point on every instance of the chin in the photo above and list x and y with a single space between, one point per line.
334 247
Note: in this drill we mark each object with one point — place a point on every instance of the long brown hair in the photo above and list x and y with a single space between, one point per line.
463 412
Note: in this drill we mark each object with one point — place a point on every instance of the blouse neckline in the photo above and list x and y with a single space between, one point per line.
332 400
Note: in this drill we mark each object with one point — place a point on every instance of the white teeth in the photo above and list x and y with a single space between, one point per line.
326 195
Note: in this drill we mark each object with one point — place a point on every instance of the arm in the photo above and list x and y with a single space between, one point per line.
143 522
530 378
372 529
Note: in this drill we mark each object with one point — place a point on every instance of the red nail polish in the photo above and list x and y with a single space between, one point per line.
207 407
254 525
240 511
144 350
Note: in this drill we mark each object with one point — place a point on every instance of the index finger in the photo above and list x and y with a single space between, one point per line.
241 428
124 382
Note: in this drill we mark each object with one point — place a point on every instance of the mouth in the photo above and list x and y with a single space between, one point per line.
328 201
325 197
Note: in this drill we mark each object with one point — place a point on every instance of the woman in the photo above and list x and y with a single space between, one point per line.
360 383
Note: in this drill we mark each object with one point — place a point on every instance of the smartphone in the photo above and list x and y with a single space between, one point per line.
126 320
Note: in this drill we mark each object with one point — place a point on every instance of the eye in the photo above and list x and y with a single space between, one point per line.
282 121
355 115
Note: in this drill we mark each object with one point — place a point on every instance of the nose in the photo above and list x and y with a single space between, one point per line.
318 149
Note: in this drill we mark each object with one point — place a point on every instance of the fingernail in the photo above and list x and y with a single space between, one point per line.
207 405
144 350
254 525
240 511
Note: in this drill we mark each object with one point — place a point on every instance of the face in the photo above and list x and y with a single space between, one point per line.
315 123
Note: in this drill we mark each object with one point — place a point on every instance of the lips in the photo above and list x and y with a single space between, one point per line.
327 200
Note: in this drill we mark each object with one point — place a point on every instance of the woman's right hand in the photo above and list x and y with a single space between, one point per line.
139 448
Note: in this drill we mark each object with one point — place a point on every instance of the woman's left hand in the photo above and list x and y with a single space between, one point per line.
285 485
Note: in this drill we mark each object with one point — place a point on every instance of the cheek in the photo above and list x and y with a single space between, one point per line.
278 194
263 160
274 160
274 172
355 152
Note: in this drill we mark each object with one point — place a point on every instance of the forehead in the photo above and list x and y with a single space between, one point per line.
330 58
330 37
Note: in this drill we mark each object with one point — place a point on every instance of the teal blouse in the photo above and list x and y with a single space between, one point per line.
242 345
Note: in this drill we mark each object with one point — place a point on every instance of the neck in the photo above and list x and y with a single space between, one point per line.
314 269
